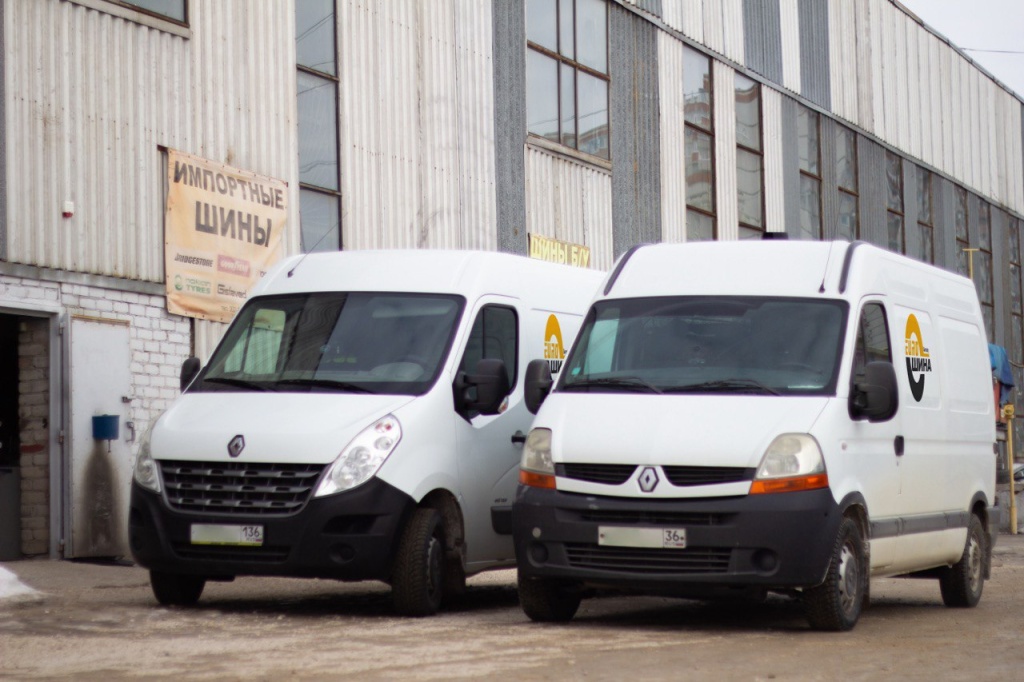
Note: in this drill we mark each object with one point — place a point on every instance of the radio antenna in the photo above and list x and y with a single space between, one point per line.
828 260
296 267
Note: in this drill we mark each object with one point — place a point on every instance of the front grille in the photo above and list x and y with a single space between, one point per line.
609 474
261 555
687 475
239 488
652 517
648 561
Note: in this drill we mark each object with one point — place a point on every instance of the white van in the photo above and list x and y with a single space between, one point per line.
744 417
362 418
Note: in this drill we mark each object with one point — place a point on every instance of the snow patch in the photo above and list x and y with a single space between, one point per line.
14 589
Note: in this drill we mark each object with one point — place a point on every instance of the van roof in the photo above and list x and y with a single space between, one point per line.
467 273
769 268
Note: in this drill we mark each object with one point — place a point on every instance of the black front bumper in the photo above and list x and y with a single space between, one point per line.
777 541
347 536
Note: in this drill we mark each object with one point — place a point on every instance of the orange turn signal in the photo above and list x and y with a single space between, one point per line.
789 485
536 480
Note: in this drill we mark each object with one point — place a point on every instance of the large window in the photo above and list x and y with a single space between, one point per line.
700 146
749 157
809 153
567 73
894 202
925 219
319 183
983 269
963 241
846 179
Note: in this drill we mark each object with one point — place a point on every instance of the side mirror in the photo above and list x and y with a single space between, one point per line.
876 396
538 384
484 390
189 370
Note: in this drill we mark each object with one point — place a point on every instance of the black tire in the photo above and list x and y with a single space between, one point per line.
175 589
962 583
836 604
418 578
546 600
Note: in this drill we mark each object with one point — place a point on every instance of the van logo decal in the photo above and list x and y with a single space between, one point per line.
648 479
919 362
554 348
236 446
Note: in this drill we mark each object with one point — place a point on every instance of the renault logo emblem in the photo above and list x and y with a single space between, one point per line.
648 479
236 446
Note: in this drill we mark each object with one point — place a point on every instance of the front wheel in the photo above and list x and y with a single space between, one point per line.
961 584
175 589
548 601
836 603
418 578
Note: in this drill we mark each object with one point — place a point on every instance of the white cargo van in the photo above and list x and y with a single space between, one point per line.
362 418
744 417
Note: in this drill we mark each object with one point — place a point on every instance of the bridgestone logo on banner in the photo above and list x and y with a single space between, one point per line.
223 229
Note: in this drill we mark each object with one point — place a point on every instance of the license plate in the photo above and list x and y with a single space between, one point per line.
239 536
622 536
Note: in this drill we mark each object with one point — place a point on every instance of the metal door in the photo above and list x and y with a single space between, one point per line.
99 471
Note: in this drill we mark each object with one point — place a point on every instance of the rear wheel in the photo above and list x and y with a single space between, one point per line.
418 579
961 584
175 589
836 603
548 601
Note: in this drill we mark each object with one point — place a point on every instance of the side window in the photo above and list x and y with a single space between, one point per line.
872 339
495 335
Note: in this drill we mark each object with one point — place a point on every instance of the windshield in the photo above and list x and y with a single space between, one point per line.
716 344
354 342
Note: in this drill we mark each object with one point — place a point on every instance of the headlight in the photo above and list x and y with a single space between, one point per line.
536 468
792 462
362 457
146 472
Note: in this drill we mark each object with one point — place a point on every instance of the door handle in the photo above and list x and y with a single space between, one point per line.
518 438
898 446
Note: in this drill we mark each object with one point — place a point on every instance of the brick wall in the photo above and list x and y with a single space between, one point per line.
33 418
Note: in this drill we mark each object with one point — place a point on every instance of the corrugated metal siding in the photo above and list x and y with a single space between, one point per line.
789 28
763 38
774 190
633 100
89 99
417 124
842 30
829 191
870 93
510 123
571 201
726 196
871 183
790 175
687 17
814 52
673 157
732 26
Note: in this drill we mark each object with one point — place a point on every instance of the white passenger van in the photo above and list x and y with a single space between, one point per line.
744 417
362 418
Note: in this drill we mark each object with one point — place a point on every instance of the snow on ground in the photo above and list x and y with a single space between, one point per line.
12 588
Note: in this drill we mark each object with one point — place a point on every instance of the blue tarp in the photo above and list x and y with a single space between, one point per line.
1002 372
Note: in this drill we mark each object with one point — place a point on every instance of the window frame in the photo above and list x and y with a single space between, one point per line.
843 190
901 212
711 215
963 245
985 209
807 173
759 153
577 67
922 226
139 15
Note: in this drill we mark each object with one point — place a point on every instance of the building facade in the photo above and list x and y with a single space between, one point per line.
468 124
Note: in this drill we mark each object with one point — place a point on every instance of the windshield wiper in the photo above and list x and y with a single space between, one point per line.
343 386
618 382
240 383
724 386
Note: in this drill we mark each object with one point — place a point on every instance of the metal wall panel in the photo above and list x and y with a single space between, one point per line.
763 38
510 123
417 124
790 174
829 183
842 30
915 123
943 210
686 17
726 194
672 138
571 201
814 52
90 97
774 190
732 28
633 100
870 92
714 29
890 90
789 28
871 182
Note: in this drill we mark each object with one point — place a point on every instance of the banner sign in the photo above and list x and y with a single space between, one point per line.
554 251
223 229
